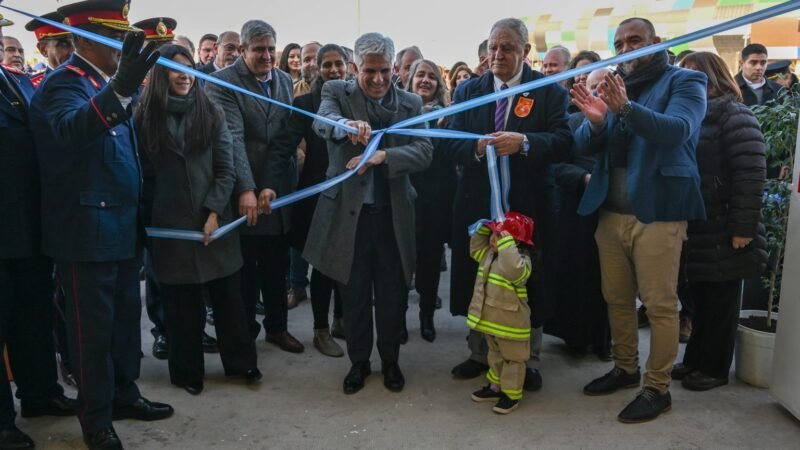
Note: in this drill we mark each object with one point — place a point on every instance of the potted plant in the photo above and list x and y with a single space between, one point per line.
756 333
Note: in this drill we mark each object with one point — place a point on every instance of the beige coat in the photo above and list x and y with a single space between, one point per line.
499 305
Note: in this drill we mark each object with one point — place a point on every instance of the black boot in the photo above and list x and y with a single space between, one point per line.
426 328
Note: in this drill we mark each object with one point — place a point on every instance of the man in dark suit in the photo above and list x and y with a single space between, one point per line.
644 126
226 50
91 182
756 88
264 170
26 285
531 129
362 234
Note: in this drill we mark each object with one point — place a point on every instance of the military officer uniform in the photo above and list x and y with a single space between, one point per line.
25 274
91 185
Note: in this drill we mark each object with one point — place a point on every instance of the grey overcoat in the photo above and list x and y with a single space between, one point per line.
260 161
331 239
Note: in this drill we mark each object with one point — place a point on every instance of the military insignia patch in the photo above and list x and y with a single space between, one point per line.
524 107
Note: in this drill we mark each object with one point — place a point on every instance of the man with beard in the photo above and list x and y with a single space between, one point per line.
308 70
643 125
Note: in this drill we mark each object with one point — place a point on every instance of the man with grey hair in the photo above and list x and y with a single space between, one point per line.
362 234
226 49
402 64
556 60
531 129
264 169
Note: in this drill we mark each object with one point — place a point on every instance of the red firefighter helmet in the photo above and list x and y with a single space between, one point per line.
519 226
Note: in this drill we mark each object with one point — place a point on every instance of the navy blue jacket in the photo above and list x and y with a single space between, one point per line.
545 125
90 173
19 176
663 179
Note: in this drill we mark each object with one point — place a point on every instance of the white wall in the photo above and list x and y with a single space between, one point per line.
785 385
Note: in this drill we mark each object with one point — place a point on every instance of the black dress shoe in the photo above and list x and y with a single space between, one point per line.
427 329
60 405
393 378
252 376
698 381
680 370
438 303
354 380
142 409
209 344
105 439
404 336
469 369
14 438
285 341
192 388
647 406
612 382
533 380
160 347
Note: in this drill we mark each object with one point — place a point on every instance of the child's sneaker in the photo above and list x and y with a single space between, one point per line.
485 394
505 405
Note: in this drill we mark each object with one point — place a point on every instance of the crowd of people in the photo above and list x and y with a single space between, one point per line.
641 181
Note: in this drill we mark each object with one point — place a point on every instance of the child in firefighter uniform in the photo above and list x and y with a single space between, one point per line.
499 307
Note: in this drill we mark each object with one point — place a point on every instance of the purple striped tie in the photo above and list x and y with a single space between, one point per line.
500 112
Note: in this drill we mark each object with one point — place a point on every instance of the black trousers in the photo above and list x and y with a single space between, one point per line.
103 310
321 288
155 306
266 264
376 268
26 318
430 252
714 323
185 321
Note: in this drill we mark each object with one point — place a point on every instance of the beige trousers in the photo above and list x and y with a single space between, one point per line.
643 259
507 364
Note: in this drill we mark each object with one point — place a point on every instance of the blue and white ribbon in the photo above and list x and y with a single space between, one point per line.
499 187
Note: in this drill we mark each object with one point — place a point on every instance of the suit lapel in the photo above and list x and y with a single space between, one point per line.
251 84
357 103
514 122
486 86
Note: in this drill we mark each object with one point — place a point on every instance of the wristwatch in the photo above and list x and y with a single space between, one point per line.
526 145
625 109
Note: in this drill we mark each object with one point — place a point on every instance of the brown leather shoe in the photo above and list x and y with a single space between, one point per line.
295 296
286 342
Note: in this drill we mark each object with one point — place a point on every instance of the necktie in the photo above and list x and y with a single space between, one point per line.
265 87
500 111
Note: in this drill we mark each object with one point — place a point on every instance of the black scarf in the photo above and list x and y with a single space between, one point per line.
177 108
636 82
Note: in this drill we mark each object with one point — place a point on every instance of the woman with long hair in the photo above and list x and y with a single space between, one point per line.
731 243
435 191
290 61
188 152
459 73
